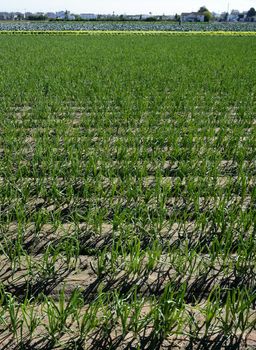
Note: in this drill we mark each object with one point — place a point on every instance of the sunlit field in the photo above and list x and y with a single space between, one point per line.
127 192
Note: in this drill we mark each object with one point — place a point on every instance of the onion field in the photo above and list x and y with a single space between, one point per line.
127 192
32 26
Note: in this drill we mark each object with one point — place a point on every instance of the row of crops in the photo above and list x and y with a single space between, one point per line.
127 192
126 26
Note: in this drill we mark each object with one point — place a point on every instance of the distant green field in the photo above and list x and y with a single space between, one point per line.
127 192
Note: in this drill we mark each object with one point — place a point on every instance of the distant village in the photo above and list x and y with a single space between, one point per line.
203 15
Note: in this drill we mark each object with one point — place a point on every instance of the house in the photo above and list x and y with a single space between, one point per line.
87 16
136 17
61 14
192 17
28 14
18 16
51 15
4 16
244 16
167 18
216 16
143 17
250 19
132 17
71 17
106 17
233 16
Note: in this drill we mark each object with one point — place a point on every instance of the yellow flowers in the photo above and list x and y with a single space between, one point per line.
128 32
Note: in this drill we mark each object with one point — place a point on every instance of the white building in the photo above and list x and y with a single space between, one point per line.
4 16
136 17
51 15
145 16
88 16
28 14
71 17
192 17
18 16
167 17
233 16
132 17
61 14
243 17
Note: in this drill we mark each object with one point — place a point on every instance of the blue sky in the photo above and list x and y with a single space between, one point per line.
124 6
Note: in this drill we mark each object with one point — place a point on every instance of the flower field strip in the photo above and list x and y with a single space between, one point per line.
128 32
127 191
125 26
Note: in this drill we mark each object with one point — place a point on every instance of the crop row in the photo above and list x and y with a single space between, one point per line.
127 190
126 26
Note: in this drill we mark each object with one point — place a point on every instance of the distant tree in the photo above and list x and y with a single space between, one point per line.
202 9
20 17
66 15
177 17
150 19
207 14
226 17
240 16
251 12
37 18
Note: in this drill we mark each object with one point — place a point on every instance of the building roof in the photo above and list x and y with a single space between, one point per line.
191 13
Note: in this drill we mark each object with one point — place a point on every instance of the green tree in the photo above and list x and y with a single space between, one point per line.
251 12
20 17
177 18
37 18
202 9
225 18
207 14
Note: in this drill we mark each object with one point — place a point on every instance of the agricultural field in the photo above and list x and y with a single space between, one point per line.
126 26
127 192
